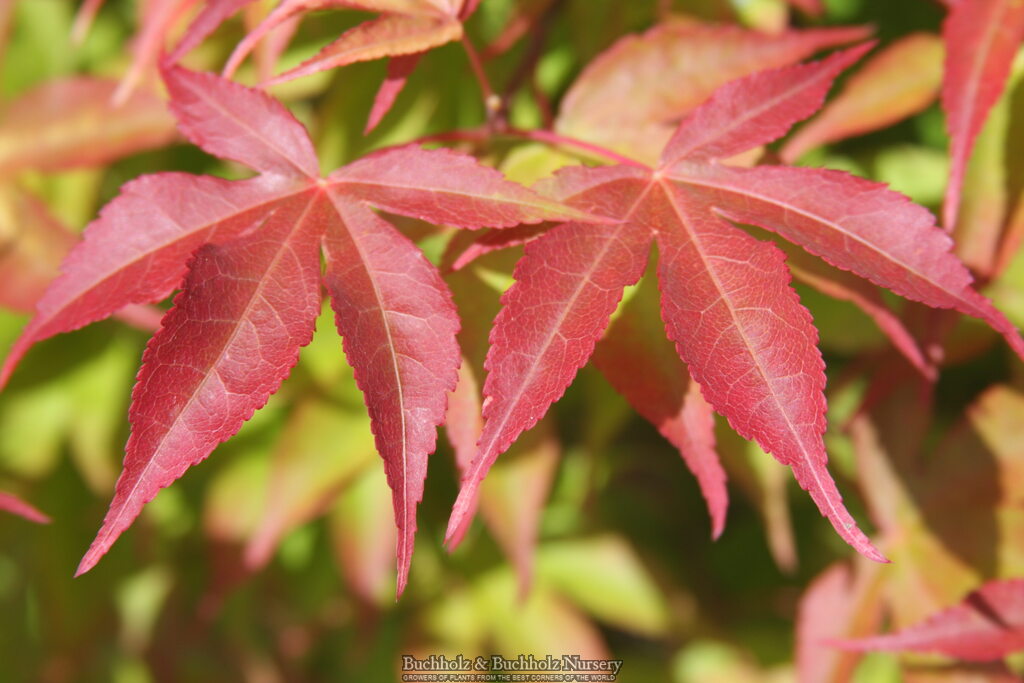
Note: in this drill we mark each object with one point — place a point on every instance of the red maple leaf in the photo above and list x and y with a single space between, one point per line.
249 254
725 296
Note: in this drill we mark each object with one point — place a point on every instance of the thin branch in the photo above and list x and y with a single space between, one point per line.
492 103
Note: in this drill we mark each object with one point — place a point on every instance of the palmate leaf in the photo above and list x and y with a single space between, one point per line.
726 301
249 253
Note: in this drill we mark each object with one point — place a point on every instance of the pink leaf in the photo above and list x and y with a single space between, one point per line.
231 338
847 221
283 12
390 36
289 9
845 286
838 602
567 285
463 421
643 366
83 19
398 324
747 340
232 121
512 499
213 15
158 18
445 187
34 243
16 506
987 625
399 70
756 110
493 240
895 83
982 37
117 263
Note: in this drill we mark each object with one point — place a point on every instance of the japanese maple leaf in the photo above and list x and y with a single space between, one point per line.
404 31
725 296
982 37
986 625
249 253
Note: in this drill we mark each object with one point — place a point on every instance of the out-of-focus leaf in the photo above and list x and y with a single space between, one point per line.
986 195
897 82
389 36
32 245
840 284
986 625
72 122
604 576
82 407
838 603
710 661
982 37
463 422
236 498
157 17
16 506
544 623
973 491
363 537
643 366
669 70
917 171
512 498
99 392
765 484
139 600
321 448
951 518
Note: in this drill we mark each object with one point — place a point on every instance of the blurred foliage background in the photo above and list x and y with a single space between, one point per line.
273 561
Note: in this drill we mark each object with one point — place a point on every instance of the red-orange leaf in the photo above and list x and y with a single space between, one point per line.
252 290
726 300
